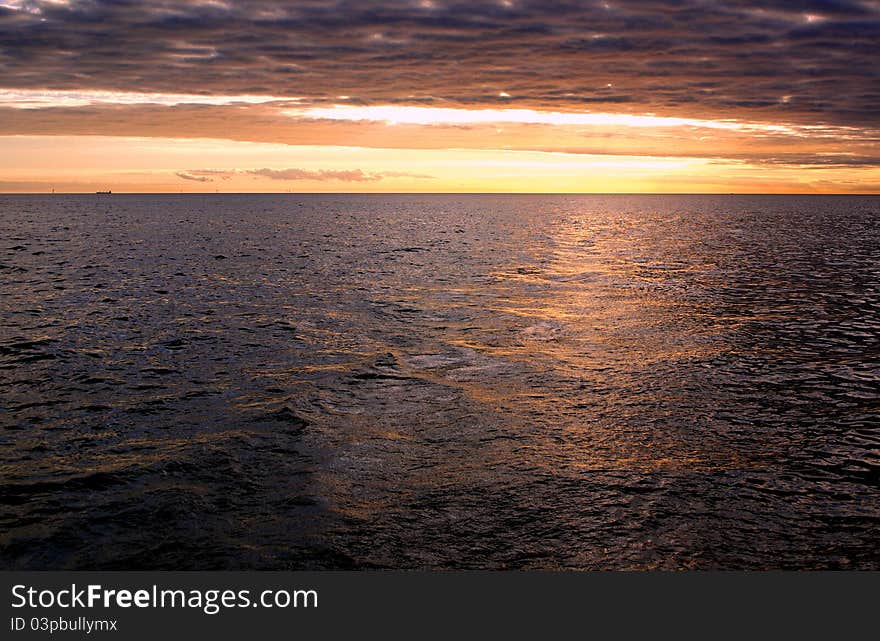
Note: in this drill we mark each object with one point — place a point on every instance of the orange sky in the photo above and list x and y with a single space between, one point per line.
585 109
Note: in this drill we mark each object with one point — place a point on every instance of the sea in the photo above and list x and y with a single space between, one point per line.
341 381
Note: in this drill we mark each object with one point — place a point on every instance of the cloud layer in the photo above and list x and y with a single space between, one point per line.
342 175
805 61
539 95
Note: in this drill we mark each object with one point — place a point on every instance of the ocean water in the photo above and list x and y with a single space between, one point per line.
439 381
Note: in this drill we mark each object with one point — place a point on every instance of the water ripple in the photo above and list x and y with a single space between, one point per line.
439 382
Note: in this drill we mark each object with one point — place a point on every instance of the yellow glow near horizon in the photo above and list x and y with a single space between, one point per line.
90 163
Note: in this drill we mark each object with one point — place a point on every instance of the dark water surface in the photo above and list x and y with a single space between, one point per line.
289 381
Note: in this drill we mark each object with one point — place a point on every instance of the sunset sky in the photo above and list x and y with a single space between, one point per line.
431 96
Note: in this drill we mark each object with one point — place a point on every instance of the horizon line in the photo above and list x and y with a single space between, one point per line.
430 193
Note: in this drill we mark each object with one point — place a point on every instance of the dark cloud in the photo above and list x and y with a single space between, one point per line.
805 61
344 175
205 175
808 161
186 176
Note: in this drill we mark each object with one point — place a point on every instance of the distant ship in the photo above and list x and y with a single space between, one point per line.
104 192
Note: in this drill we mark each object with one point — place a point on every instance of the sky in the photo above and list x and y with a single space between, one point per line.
434 96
